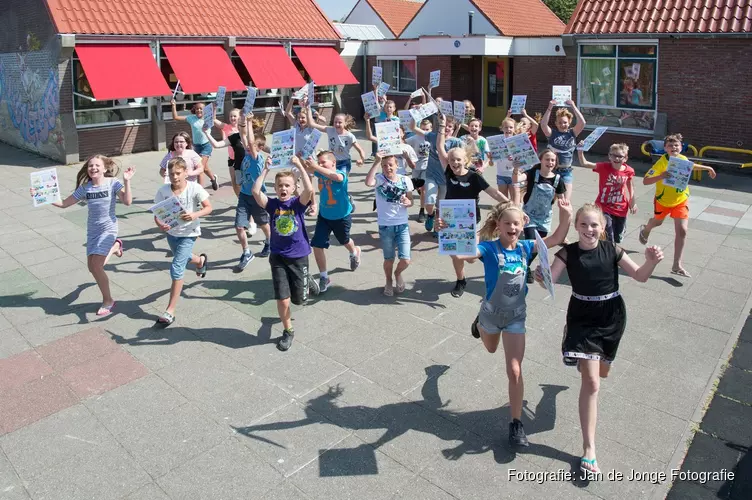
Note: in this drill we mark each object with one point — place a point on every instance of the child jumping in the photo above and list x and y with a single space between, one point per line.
96 183
670 201
341 140
394 195
195 202
200 144
615 189
562 139
503 311
596 316
289 243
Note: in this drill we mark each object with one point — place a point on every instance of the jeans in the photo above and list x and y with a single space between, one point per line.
395 237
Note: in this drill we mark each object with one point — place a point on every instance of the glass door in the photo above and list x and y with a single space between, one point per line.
495 105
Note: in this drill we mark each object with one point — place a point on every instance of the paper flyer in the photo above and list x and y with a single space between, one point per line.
283 148
522 152
561 94
459 237
498 147
377 74
446 108
250 100
310 144
310 92
593 138
45 188
220 101
417 93
518 104
636 71
168 211
679 172
545 265
606 71
371 104
208 116
405 118
435 79
388 135
281 108
300 93
383 89
459 111
423 111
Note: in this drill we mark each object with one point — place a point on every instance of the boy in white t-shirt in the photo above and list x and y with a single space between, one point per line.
422 149
408 158
195 202
394 194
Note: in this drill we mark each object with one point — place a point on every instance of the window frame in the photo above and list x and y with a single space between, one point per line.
618 83
397 61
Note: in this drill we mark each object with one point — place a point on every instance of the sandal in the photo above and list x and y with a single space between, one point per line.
166 319
680 272
589 466
201 271
388 291
105 311
119 253
641 236
400 285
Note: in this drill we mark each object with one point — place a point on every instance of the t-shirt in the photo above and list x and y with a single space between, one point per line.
435 172
465 187
481 144
382 118
667 196
563 144
592 272
340 144
402 162
422 148
559 188
227 131
191 198
533 140
634 98
192 159
250 170
514 261
101 201
197 129
334 202
289 237
301 136
388 194
612 188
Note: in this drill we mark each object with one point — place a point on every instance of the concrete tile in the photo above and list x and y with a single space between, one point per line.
10 484
22 368
733 302
724 281
41 256
76 349
285 491
13 342
344 348
51 327
47 269
33 401
103 374
698 205
149 492
157 347
227 471
300 370
710 226
420 489
740 207
395 369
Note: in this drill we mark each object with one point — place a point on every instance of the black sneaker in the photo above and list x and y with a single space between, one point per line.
286 341
265 251
459 288
517 435
474 328
421 216
214 184
530 279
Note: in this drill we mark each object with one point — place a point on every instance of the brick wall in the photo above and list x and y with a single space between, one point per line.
114 141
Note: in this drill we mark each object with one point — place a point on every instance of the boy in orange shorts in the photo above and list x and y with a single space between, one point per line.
670 201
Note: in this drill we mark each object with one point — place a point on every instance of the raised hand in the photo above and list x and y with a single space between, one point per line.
129 172
653 254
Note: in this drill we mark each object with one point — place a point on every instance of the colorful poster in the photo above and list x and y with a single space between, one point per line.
545 265
300 93
405 118
522 152
435 79
592 138
446 108
168 211
220 101
388 136
283 148
459 236
377 73
383 89
45 188
679 172
208 116
561 94
310 144
371 104
518 104
498 147
459 111
423 111
250 100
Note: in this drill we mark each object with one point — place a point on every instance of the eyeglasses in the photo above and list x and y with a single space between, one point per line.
616 157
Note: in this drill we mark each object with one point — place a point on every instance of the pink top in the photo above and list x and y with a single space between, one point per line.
190 156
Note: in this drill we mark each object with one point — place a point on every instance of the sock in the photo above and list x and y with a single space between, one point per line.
266 241
290 331
324 274
246 250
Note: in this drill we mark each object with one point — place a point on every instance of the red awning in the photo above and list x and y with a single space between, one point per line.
120 71
202 68
325 66
270 66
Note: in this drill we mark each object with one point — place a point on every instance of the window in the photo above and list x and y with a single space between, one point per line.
400 74
617 85
89 112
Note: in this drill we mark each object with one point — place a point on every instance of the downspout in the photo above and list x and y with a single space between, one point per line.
364 85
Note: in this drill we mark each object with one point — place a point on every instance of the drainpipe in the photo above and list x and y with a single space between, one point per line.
470 15
365 67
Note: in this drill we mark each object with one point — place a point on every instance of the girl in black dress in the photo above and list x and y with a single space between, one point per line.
596 317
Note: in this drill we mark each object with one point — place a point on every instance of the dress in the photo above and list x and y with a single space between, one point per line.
597 316
101 223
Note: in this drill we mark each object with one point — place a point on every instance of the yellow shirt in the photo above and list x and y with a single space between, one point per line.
666 195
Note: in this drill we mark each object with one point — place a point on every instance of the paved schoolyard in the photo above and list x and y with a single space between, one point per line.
378 398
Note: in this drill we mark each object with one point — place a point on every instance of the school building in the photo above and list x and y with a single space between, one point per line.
97 76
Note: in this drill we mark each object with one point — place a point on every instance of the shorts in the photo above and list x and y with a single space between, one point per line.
324 227
680 211
204 149
434 192
565 173
345 165
494 321
182 251
290 278
615 227
418 183
395 237
504 180
247 208
231 162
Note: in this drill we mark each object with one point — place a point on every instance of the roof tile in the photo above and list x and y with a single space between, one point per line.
301 19
396 14
661 16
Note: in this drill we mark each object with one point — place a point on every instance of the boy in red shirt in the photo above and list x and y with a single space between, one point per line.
615 189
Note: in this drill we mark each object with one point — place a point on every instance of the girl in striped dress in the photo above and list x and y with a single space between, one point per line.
98 187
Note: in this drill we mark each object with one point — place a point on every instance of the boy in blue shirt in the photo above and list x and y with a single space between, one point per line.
334 216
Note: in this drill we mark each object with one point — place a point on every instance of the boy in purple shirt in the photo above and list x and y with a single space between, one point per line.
289 243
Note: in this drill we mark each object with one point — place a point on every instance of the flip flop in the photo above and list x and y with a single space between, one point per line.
641 236
400 285
166 319
105 311
681 272
201 271
388 291
589 466
119 253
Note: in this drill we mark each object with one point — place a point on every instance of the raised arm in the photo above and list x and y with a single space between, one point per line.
580 125
565 218
709 170
441 142
215 143
312 123
125 194
306 196
494 193
653 255
415 129
175 115
581 155
533 123
288 113
546 118
250 137
369 133
371 177
329 174
259 195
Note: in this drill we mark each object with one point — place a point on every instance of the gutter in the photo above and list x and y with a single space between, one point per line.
198 39
607 36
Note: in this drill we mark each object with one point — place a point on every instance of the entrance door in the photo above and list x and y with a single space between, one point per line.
496 101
